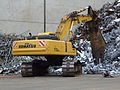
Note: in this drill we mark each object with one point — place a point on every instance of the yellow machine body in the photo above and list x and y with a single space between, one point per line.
43 47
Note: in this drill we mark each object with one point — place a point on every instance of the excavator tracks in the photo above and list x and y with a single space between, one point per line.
27 69
34 68
71 68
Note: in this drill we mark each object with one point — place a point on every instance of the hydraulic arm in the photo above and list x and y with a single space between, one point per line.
68 21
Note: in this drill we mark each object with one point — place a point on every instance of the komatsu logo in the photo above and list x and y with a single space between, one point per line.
27 45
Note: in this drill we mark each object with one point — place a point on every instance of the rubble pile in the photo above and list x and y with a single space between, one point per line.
5 44
14 65
110 26
109 15
5 48
8 63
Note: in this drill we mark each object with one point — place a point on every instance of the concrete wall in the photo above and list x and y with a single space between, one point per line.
19 16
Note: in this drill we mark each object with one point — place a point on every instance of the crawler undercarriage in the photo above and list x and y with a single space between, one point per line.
40 68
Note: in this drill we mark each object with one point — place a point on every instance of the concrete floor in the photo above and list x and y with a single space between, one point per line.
82 82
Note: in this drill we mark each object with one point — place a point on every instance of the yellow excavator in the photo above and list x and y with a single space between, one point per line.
55 46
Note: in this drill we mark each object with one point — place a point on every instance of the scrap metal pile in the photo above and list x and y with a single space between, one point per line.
5 50
109 15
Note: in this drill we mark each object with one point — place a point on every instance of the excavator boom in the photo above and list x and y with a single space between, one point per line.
70 20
